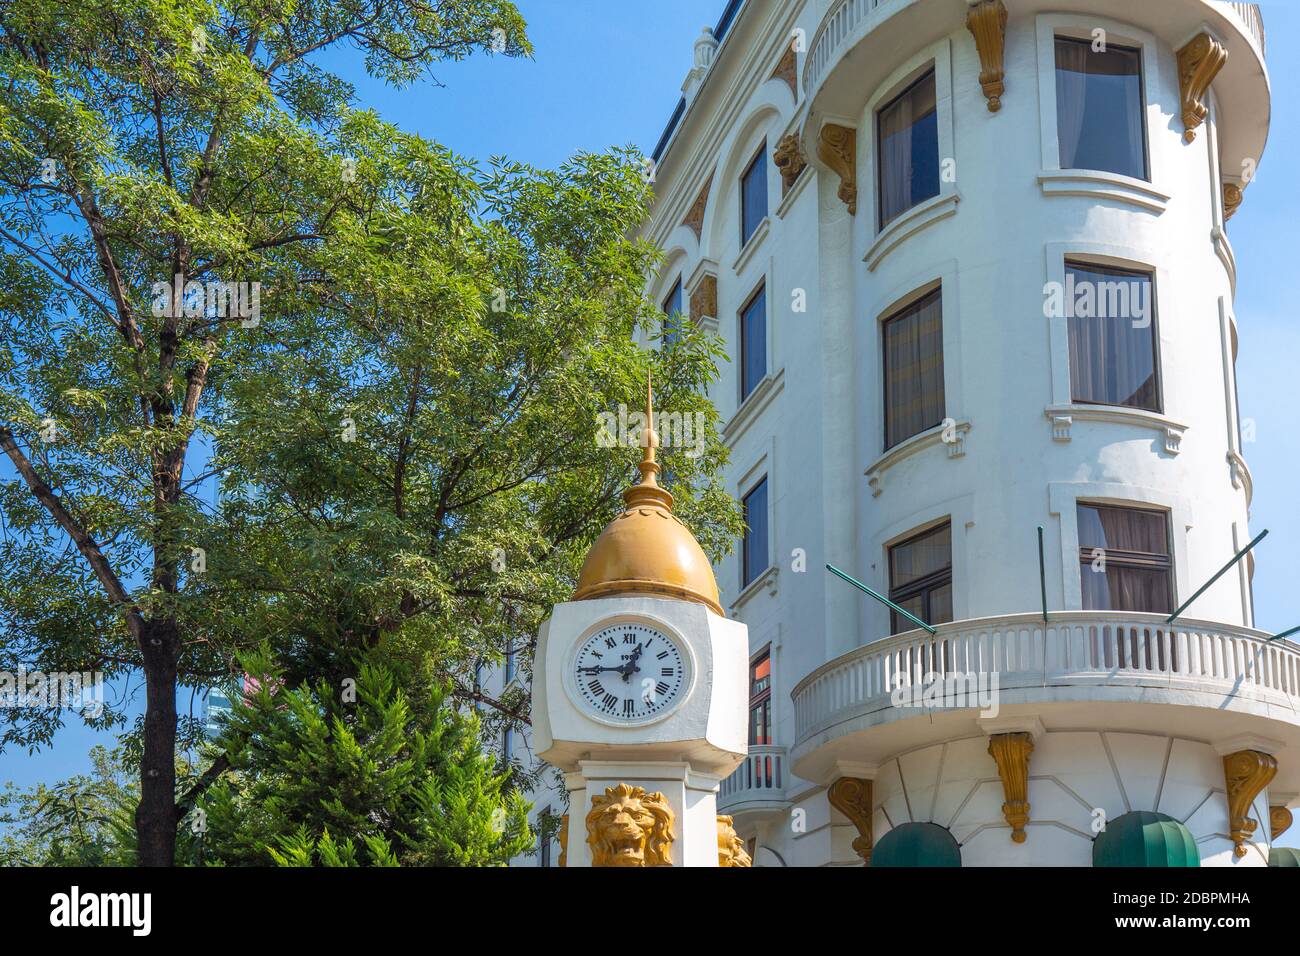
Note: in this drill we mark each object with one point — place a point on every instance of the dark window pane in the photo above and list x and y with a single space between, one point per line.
1124 559
760 723
672 307
920 557
1100 111
753 195
907 131
913 349
1112 322
920 578
753 343
754 551
1123 529
1125 589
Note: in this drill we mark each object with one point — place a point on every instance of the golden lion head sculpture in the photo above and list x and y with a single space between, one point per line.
629 827
731 848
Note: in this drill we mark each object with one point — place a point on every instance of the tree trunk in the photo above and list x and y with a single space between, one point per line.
155 817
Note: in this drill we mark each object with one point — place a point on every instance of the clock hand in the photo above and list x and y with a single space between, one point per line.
597 670
630 667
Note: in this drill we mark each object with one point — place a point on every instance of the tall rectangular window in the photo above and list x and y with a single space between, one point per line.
510 662
507 744
760 700
920 578
1124 559
907 137
753 195
672 307
1100 108
544 841
753 342
1112 324
754 547
913 351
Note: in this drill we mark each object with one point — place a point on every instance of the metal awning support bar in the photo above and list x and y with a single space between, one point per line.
1294 630
1222 571
1042 573
883 600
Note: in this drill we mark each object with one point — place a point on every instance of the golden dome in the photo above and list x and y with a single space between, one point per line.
646 549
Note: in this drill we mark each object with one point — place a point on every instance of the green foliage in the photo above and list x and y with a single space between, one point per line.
87 820
357 774
405 438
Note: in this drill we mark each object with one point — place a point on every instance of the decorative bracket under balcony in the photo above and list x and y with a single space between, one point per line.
837 147
1246 773
1232 197
1279 821
1011 753
852 797
1199 62
987 20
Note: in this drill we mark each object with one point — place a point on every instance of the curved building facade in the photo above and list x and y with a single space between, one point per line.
972 264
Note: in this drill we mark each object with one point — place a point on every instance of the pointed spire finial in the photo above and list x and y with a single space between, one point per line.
647 490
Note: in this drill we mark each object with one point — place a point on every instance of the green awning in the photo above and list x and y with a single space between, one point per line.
917 844
1283 856
1144 838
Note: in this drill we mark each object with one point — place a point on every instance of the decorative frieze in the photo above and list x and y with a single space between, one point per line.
704 300
1199 62
987 21
1246 773
789 159
695 215
1011 753
837 147
787 70
852 797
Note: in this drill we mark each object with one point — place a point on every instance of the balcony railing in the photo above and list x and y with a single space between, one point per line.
839 25
842 22
1249 14
760 779
1081 648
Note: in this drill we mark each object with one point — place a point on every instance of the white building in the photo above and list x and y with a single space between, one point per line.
971 262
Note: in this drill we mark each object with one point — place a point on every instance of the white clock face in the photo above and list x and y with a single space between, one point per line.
629 673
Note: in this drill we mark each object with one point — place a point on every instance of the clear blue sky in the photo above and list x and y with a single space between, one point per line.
607 73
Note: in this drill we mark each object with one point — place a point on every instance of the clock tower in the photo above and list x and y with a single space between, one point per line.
639 692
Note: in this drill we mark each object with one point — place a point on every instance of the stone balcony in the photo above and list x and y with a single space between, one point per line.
1082 669
757 787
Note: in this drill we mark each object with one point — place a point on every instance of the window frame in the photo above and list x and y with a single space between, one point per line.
1134 560
760 291
757 166
1150 273
746 578
911 307
762 699
922 586
877 113
669 330
1130 46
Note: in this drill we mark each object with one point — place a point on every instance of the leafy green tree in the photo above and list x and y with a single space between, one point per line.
405 434
320 771
146 145
87 820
